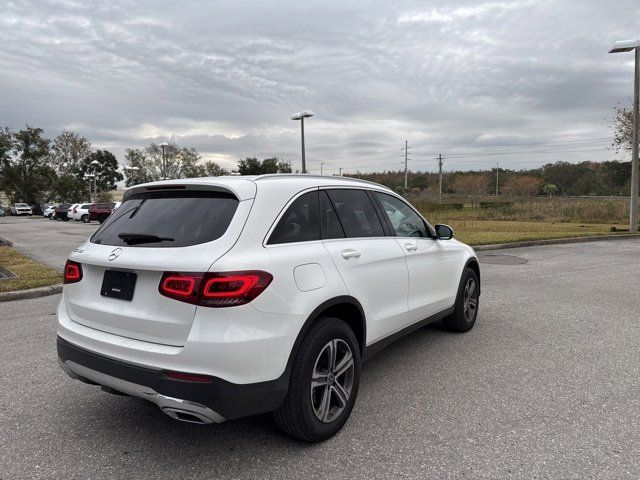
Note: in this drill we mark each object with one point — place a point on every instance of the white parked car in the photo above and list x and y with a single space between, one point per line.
217 298
81 212
49 211
71 209
20 209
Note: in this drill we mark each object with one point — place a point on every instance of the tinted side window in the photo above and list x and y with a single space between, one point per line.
331 227
405 221
356 212
300 222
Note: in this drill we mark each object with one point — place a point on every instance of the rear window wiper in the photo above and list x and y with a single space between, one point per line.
135 238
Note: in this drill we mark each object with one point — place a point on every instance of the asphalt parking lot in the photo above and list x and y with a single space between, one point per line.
47 241
545 386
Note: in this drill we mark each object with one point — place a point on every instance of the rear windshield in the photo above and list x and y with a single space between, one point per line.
168 219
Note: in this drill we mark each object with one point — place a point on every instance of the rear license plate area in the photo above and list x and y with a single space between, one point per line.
116 284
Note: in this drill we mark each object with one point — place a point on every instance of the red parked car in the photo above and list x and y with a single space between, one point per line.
100 211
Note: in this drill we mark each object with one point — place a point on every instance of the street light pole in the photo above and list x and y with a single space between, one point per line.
634 153
163 145
628 46
304 162
95 164
301 116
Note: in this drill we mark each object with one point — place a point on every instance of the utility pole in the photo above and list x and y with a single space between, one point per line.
406 160
497 178
440 170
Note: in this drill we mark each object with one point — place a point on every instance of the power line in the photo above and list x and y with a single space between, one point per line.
554 142
529 152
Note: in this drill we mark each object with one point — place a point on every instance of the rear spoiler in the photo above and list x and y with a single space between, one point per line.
241 189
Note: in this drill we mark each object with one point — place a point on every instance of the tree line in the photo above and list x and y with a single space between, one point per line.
35 169
559 178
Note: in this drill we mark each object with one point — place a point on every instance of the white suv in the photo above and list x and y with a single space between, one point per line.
217 298
20 209
81 212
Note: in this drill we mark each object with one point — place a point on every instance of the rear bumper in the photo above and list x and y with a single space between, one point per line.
210 402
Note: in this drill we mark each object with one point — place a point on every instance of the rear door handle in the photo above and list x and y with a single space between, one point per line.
349 254
411 247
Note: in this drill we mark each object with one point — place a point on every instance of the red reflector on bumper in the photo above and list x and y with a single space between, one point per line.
187 377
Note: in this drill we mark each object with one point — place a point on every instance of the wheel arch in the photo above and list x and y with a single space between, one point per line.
474 265
343 307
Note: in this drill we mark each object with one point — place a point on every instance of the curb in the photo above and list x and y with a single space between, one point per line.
554 241
5 243
31 293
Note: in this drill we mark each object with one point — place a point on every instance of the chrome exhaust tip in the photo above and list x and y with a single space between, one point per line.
187 416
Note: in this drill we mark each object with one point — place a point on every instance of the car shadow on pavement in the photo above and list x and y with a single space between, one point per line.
132 427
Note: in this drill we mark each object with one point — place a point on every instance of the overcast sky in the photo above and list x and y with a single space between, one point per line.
450 77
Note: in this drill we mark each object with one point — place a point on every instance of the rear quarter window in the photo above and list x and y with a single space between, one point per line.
168 219
300 223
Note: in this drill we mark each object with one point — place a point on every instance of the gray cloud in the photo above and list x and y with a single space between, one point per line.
451 77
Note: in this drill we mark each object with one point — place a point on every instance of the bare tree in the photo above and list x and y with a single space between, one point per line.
68 152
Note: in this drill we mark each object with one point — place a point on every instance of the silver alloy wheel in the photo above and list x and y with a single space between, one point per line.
470 300
332 380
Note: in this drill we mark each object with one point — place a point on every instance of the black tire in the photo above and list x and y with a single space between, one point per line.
464 317
297 415
101 219
85 218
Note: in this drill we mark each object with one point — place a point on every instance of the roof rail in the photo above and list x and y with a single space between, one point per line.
307 175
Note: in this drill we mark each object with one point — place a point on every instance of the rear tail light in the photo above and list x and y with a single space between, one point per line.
227 289
72 272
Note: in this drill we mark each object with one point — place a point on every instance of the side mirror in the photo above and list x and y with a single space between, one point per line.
444 232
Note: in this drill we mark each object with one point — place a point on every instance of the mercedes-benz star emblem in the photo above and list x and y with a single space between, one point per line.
114 254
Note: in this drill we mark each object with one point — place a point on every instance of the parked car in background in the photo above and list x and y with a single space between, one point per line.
81 212
20 209
36 209
43 207
3 212
61 212
71 209
101 211
49 211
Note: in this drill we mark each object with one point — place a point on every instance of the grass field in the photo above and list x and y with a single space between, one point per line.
531 209
484 232
31 274
522 219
